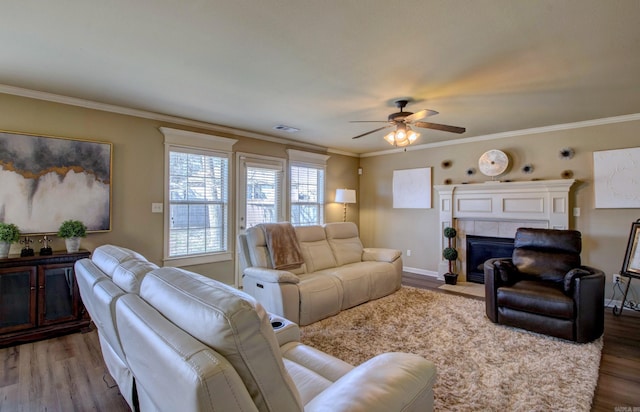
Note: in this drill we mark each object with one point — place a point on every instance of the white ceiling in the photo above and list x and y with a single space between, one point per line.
488 65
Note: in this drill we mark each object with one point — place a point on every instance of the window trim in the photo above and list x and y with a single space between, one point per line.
205 144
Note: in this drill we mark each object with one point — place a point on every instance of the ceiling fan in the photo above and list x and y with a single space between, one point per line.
404 135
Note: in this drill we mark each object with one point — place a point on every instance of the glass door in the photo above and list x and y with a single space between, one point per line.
261 182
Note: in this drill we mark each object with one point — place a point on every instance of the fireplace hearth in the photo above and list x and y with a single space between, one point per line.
482 248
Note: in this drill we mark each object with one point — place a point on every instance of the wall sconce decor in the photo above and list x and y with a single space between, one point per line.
566 153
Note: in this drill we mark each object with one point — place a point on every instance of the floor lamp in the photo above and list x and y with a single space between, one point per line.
345 196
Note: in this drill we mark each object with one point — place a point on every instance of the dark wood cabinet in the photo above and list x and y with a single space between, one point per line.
39 297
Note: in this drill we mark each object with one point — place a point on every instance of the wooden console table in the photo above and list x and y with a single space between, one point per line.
39 297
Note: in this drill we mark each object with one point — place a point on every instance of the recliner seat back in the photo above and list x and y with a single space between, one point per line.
345 242
546 254
316 252
254 251
233 324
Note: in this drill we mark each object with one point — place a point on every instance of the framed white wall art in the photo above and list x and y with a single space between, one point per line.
616 175
412 188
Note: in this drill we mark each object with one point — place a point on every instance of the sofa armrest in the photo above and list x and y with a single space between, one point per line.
270 275
285 330
380 254
492 281
588 294
388 382
571 276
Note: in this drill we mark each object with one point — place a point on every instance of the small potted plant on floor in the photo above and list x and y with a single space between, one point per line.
450 254
72 231
9 233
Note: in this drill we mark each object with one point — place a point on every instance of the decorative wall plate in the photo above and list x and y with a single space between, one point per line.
493 162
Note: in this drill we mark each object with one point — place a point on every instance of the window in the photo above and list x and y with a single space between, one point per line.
306 171
263 193
197 204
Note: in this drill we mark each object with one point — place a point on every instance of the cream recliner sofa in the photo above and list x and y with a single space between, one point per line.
338 272
175 340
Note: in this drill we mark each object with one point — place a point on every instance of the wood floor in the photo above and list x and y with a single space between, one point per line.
68 374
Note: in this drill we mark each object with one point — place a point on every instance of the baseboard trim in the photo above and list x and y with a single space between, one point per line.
422 272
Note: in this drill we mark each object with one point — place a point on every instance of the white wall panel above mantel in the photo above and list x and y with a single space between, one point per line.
534 200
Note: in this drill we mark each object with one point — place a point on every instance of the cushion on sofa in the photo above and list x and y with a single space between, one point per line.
312 370
231 322
258 252
257 245
320 297
345 242
128 275
108 257
356 283
315 248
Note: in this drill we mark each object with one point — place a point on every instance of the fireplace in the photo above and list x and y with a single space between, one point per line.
481 248
497 209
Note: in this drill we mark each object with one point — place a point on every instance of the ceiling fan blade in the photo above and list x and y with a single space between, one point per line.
368 121
372 131
443 127
420 115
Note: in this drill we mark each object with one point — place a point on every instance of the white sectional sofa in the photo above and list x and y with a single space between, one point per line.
174 340
337 274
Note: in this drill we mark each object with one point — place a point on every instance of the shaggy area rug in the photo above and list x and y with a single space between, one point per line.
481 366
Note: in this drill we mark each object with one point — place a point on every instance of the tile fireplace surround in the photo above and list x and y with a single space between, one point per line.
498 209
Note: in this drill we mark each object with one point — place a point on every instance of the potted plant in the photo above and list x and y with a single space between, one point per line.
450 254
9 233
72 231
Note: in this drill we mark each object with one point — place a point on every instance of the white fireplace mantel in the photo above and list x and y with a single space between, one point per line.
537 203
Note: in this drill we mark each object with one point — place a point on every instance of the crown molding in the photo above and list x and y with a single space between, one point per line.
144 114
89 104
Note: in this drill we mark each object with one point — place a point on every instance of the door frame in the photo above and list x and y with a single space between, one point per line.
241 197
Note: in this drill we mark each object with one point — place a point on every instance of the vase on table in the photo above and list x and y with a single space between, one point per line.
73 244
4 249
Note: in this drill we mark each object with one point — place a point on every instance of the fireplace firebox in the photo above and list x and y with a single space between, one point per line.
482 248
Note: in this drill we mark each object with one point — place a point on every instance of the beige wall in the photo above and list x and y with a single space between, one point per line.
138 169
138 165
605 231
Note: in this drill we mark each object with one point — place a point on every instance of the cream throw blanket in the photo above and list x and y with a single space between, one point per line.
282 244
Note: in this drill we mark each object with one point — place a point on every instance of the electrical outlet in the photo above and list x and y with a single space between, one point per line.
616 278
408 252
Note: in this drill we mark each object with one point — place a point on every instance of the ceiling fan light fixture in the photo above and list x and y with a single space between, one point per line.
402 136
412 136
391 138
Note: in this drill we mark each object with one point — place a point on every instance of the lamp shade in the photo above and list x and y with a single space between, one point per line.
345 196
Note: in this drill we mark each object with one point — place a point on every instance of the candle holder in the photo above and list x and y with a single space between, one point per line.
26 250
45 250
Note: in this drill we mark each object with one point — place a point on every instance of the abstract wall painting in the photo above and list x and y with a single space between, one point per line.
46 180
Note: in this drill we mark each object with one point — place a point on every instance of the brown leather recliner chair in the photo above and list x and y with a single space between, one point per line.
544 288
